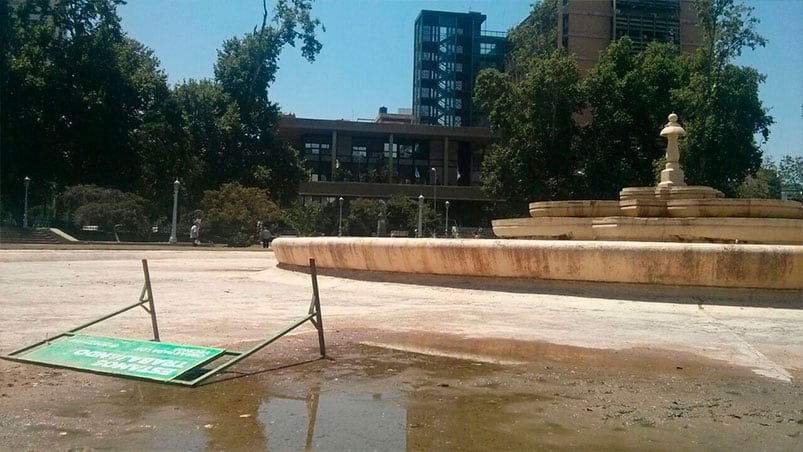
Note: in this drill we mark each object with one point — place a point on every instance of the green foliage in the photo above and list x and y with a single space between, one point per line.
630 97
233 211
361 216
402 215
764 184
772 180
244 70
83 103
313 218
83 205
721 148
534 157
728 27
231 124
535 37
623 102
790 171
719 101
75 90
205 117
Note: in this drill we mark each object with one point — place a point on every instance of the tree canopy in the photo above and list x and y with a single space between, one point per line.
563 137
233 211
244 70
628 97
535 37
534 158
74 91
83 103
723 112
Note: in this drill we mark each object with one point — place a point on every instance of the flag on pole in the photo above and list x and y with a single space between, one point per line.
417 174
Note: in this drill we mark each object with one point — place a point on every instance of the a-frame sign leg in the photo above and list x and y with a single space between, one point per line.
151 309
315 308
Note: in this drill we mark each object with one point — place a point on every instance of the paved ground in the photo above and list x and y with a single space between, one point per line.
215 297
225 298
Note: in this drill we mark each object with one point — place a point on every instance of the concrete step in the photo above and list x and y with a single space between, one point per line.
13 234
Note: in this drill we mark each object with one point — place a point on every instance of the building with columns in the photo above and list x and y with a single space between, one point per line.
385 159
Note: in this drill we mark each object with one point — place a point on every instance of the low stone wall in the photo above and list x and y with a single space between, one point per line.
681 264
769 231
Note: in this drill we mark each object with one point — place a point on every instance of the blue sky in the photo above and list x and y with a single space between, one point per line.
367 56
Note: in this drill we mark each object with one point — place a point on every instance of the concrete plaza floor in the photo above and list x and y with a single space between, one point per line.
221 297
414 362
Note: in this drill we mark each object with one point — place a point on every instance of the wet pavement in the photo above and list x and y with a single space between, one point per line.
413 363
371 398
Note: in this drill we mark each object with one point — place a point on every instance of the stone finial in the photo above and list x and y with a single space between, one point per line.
672 175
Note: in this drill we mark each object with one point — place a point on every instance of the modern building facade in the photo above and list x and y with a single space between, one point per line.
587 27
449 50
388 158
384 159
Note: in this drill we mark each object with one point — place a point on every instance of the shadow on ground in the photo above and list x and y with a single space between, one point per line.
782 299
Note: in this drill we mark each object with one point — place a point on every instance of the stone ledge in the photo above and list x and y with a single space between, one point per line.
674 264
746 208
574 209
561 228
777 231
670 192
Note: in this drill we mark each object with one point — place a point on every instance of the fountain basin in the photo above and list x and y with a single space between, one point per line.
773 231
675 264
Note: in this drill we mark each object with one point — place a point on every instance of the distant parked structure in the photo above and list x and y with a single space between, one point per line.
450 49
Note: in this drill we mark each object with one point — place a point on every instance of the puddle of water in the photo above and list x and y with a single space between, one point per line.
370 399
334 422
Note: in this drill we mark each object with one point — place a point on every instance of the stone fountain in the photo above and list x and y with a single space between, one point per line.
671 234
669 212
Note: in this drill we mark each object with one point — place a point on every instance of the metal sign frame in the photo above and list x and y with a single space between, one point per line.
197 373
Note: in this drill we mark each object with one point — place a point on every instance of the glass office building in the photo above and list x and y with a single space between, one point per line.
450 49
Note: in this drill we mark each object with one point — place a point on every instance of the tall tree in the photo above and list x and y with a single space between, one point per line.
534 158
719 100
535 37
207 115
245 69
629 96
74 91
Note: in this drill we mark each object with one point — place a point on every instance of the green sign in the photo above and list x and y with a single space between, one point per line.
142 359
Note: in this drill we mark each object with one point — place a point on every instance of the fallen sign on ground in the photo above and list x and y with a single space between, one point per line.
151 360
141 359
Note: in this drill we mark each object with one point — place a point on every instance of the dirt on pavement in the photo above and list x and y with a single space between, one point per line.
409 366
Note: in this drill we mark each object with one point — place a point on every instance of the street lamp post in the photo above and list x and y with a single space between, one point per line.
25 211
420 216
176 186
340 218
435 191
446 229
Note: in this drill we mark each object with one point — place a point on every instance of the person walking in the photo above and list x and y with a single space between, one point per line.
194 234
266 236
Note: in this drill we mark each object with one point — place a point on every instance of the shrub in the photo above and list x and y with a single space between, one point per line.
232 213
105 207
